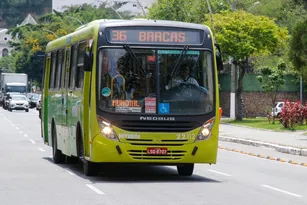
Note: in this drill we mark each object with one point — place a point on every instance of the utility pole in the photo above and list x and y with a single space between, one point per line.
233 80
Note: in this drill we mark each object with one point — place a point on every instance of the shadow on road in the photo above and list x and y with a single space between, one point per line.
133 173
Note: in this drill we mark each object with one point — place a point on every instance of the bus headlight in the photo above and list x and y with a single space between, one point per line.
205 131
106 130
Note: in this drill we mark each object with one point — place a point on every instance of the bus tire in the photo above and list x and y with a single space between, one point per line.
185 169
58 156
89 168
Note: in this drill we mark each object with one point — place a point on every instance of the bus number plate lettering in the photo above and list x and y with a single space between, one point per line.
156 151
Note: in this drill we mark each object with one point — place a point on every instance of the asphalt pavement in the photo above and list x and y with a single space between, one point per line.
29 177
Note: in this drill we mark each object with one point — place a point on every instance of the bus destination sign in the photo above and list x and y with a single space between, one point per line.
145 36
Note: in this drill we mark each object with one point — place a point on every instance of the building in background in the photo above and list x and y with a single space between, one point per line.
131 6
14 12
4 39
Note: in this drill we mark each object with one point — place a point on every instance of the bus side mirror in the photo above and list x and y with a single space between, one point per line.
219 60
88 61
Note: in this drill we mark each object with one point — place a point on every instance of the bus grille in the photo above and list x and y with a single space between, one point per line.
142 155
156 126
150 142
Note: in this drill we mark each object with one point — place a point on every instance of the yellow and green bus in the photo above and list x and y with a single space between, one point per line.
132 91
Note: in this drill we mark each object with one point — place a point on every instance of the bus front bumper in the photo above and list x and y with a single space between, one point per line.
108 151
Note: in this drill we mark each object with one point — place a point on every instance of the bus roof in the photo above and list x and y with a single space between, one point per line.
142 22
87 29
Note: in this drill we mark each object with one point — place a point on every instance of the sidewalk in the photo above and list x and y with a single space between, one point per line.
286 142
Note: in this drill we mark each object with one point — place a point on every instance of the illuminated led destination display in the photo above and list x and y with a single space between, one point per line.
156 36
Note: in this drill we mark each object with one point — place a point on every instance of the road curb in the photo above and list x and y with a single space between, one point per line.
279 148
265 157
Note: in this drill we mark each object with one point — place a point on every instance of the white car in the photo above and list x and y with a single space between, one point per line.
18 102
277 109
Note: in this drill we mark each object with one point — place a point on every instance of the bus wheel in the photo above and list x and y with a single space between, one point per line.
89 168
58 156
185 169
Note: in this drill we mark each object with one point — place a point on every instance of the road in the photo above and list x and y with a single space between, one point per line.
29 177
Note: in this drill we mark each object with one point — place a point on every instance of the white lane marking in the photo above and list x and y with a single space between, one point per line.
20 132
33 142
283 191
41 149
13 125
211 170
71 173
95 189
25 135
17 128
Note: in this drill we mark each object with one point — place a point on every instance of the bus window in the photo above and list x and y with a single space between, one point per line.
80 65
123 78
186 84
52 70
59 69
72 70
62 78
67 59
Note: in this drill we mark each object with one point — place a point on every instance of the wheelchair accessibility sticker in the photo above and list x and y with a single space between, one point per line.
164 108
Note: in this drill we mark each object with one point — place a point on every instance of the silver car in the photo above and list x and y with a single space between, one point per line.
18 102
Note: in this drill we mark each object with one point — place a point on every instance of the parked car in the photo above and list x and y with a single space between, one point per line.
18 102
277 109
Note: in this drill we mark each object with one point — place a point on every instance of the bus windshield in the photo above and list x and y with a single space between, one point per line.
155 81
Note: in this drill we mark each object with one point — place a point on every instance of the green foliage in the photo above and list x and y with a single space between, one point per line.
14 11
242 34
298 48
179 10
29 39
272 79
285 12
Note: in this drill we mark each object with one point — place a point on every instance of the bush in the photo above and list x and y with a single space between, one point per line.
293 113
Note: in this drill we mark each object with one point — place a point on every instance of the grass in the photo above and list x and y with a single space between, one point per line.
263 124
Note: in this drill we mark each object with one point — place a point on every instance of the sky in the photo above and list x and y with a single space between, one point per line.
58 4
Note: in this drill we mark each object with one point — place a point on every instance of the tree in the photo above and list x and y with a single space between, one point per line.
298 48
13 12
29 40
241 35
179 10
271 80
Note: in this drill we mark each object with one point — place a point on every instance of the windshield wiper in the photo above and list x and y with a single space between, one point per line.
128 49
183 53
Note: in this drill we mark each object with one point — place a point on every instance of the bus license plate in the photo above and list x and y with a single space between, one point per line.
156 151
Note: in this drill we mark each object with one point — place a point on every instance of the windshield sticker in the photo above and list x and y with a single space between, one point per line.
177 52
106 92
128 109
150 105
164 108
151 59
125 103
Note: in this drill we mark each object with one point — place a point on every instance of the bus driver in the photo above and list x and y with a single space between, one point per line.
184 77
